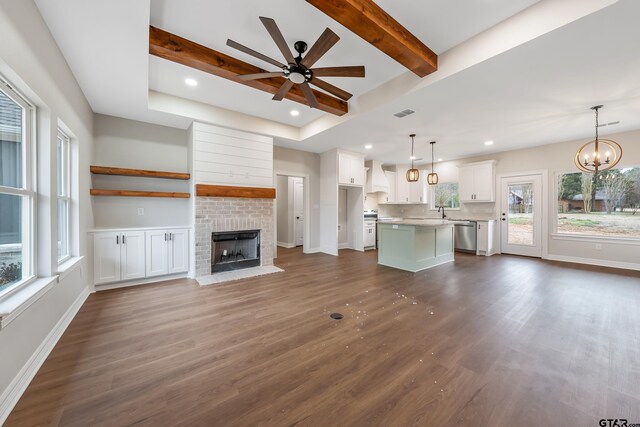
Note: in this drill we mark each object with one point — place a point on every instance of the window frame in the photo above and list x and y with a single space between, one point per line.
27 192
65 194
432 196
558 235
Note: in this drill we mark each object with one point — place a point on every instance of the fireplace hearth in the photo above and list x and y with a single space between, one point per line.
235 250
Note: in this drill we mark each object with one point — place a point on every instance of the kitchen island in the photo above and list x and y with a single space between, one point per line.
415 245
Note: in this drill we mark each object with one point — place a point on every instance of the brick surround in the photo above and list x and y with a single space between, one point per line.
231 214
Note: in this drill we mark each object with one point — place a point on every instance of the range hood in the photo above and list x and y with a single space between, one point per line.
376 179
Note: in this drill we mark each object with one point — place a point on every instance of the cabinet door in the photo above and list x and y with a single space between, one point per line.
484 183
344 169
482 236
369 236
466 183
132 255
402 185
157 243
357 170
178 251
418 190
106 257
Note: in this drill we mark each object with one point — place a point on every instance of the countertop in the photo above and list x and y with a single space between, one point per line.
420 222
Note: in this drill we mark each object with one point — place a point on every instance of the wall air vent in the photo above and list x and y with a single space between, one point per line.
404 113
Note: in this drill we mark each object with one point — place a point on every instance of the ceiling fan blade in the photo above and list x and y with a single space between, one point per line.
277 37
253 53
286 86
260 75
342 94
325 42
350 71
308 93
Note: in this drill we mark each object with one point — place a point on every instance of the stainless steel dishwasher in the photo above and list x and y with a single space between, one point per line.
465 239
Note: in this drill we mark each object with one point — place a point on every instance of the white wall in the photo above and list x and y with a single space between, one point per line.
131 144
31 60
303 163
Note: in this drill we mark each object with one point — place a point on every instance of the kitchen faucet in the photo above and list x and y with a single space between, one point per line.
443 215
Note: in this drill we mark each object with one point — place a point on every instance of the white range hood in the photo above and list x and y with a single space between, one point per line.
376 179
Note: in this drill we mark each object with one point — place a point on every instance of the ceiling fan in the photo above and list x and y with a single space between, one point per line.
298 70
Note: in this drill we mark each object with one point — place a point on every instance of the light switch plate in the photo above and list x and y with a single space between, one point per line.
140 211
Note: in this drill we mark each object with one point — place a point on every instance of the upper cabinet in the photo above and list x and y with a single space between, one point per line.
351 169
403 191
477 182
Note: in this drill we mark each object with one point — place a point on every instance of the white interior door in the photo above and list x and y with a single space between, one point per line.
521 215
343 238
298 211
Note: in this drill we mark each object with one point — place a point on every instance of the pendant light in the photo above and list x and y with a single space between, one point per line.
413 174
599 154
432 178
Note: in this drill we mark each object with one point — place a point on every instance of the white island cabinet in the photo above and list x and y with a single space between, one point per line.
415 245
128 255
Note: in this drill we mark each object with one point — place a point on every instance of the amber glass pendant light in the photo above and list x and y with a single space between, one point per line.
413 174
432 178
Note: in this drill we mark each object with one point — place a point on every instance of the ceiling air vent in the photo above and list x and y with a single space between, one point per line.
404 113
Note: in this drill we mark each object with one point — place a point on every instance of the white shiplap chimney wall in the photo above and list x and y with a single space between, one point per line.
230 157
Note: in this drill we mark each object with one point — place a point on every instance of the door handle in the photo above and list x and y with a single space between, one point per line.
165 237
170 236
123 240
117 240
297 217
504 219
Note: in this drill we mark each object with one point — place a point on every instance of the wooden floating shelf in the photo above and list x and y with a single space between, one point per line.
130 193
107 170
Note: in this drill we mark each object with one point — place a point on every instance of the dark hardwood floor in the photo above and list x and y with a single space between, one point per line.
498 341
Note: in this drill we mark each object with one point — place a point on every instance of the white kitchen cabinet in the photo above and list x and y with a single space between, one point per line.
418 189
486 243
350 169
370 236
403 189
477 182
389 197
118 256
167 252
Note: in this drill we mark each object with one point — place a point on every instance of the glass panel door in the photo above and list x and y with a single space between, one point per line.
521 215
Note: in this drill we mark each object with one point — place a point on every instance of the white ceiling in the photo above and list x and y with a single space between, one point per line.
533 94
536 94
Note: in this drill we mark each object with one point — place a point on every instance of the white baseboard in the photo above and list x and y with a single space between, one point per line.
144 281
286 245
12 394
312 251
344 246
598 262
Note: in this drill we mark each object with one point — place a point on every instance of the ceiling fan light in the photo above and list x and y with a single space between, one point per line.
432 178
297 78
413 175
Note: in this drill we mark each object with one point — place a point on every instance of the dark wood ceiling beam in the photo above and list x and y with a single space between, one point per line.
182 51
372 23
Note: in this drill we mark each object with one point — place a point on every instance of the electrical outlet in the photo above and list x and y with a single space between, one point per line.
598 246
140 211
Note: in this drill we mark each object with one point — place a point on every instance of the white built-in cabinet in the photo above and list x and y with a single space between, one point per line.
120 256
486 241
477 182
403 191
369 236
167 252
350 169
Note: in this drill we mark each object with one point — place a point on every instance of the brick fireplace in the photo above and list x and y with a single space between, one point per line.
217 214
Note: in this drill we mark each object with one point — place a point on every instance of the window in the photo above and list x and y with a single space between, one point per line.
63 174
16 190
605 206
445 194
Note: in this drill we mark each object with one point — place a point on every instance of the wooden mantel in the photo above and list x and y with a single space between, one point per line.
205 190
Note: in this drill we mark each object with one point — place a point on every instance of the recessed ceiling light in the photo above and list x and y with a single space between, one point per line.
294 113
368 146
488 143
439 160
191 82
